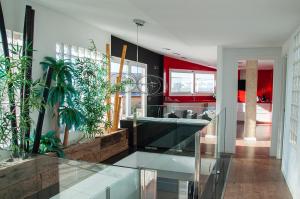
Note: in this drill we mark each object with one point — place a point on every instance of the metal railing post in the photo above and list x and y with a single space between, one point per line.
107 191
197 174
148 184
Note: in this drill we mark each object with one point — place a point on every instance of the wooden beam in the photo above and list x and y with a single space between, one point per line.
27 74
39 125
108 98
117 102
117 118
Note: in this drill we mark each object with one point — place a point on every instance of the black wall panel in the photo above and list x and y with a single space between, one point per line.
154 63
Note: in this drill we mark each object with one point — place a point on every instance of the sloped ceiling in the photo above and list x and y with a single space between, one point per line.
192 29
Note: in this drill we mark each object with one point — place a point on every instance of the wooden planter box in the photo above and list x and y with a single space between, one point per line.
99 149
37 176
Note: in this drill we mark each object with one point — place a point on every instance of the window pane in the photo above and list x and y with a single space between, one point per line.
294 117
181 82
74 51
18 38
138 73
59 51
67 51
205 83
9 36
1 47
81 52
87 53
115 68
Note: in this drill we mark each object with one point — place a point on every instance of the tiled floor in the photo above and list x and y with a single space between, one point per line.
253 174
250 149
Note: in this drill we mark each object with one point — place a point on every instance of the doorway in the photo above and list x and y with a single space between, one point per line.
254 108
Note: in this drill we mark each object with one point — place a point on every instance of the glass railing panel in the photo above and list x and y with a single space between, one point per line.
185 153
174 157
128 184
175 124
214 183
51 177
205 157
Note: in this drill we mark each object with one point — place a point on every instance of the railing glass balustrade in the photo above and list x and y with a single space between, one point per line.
174 146
182 159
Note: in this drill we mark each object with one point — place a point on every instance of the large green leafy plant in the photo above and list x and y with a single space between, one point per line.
62 96
93 89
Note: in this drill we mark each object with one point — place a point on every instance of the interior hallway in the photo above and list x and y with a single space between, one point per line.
258 177
259 148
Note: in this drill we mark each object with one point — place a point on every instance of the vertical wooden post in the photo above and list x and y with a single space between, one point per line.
40 121
108 98
117 94
27 75
117 117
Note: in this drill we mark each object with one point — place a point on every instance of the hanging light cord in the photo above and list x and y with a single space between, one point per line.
137 47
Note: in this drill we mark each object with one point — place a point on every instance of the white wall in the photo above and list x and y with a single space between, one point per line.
13 14
227 86
290 153
51 27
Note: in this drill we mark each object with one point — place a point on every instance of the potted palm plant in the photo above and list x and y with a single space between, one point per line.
62 75
71 117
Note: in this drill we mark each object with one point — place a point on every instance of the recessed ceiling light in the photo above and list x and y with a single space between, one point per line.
183 58
166 49
176 54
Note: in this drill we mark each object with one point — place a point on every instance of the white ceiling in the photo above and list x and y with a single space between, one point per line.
192 28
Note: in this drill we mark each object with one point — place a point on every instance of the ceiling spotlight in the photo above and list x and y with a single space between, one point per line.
176 54
139 22
166 49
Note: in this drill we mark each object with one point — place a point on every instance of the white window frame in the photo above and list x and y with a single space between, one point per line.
130 63
204 93
193 93
170 80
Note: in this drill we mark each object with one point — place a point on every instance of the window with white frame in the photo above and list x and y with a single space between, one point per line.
295 92
71 52
14 39
204 83
187 82
134 98
182 82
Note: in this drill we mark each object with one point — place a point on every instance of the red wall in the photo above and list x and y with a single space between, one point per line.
264 85
171 63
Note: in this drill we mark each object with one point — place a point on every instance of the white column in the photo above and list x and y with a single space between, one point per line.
251 100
